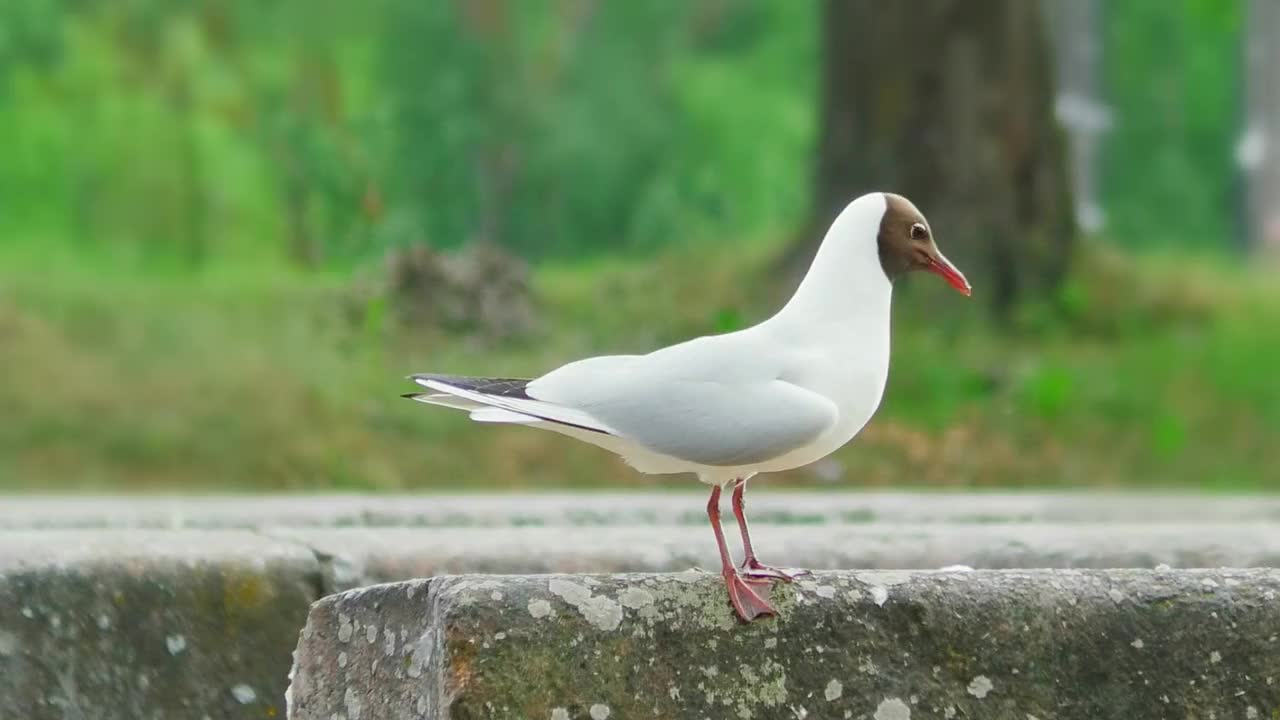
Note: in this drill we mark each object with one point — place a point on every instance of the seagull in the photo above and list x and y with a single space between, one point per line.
775 396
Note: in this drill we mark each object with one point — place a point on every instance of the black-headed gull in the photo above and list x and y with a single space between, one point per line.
775 396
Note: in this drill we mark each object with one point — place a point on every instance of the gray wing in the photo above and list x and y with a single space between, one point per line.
713 424
696 412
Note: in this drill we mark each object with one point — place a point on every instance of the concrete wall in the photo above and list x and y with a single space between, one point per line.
1123 645
190 608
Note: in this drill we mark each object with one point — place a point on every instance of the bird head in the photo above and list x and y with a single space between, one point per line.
906 244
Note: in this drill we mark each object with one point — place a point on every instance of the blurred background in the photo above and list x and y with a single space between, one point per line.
228 229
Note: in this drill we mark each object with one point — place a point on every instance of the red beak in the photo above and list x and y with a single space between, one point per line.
942 267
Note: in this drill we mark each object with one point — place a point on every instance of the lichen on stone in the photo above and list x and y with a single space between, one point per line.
244 693
980 686
635 598
893 709
600 611
539 608
353 704
8 644
175 644
421 654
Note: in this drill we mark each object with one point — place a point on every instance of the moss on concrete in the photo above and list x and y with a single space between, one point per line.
167 637
1066 644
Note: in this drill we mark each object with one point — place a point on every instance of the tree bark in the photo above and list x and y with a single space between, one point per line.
949 102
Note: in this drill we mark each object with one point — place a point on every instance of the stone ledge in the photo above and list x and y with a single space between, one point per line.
623 508
140 626
183 624
364 556
344 558
885 645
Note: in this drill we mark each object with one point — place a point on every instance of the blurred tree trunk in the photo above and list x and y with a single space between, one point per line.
949 102
1075 33
1259 149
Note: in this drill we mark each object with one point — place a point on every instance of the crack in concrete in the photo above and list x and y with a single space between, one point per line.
324 580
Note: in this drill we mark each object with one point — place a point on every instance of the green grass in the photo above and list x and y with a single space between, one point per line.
262 379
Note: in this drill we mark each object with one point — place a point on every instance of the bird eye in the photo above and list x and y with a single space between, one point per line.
919 232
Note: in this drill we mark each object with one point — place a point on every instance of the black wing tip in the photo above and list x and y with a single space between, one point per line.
412 396
496 386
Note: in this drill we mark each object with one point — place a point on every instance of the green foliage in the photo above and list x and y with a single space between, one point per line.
323 132
244 381
173 134
1173 79
614 126
652 156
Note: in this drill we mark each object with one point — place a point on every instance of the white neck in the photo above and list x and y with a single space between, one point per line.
846 286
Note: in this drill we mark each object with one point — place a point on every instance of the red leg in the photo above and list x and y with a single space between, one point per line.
746 602
754 568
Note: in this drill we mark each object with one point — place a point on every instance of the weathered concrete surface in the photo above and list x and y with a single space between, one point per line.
638 508
128 623
344 558
884 645
364 556
149 625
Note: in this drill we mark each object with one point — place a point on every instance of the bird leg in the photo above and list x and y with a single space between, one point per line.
752 567
746 601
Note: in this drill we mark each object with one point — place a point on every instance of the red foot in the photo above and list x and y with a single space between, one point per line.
755 570
746 600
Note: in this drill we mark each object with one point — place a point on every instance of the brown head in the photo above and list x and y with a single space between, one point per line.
905 243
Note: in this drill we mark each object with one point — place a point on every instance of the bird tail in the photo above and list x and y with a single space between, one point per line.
501 400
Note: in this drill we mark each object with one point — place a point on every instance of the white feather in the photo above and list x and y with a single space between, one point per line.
536 408
449 401
498 415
